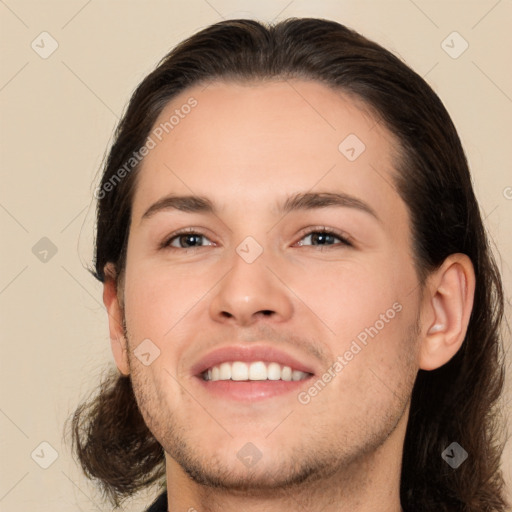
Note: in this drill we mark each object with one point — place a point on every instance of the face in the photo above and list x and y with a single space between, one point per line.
281 306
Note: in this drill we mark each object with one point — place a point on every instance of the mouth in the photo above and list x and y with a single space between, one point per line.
253 371
248 373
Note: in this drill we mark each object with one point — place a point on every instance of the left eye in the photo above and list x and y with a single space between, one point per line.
323 237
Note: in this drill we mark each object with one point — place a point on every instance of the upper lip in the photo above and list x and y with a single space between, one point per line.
251 353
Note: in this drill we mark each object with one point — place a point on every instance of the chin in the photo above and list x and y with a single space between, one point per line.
249 468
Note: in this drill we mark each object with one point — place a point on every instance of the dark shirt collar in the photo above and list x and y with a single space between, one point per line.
160 504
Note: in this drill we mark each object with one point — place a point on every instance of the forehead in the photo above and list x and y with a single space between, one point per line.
254 143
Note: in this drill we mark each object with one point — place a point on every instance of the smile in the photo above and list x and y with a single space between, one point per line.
253 371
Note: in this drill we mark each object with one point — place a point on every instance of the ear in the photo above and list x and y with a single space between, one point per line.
115 319
446 309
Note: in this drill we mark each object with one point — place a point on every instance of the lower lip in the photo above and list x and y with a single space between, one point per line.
250 391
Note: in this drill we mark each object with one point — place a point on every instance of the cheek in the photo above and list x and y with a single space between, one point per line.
157 298
368 309
349 297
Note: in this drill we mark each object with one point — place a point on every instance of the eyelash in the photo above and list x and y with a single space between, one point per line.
344 239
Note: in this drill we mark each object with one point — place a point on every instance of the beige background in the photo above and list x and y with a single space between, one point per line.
57 119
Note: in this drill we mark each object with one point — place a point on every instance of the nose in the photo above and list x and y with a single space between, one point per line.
250 292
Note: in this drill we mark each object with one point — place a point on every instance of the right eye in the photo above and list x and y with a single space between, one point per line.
185 239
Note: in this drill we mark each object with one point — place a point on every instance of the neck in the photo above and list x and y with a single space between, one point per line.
370 483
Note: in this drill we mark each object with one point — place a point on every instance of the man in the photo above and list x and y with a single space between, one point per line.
298 286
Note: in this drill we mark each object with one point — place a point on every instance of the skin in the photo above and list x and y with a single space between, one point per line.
247 148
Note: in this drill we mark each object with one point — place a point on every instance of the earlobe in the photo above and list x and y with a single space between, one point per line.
119 351
114 309
446 309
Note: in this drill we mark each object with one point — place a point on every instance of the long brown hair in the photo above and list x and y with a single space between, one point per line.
457 402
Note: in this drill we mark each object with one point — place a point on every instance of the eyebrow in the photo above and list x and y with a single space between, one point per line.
297 202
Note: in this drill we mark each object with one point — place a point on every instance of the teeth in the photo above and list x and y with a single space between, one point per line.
239 371
225 371
274 371
258 370
286 373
